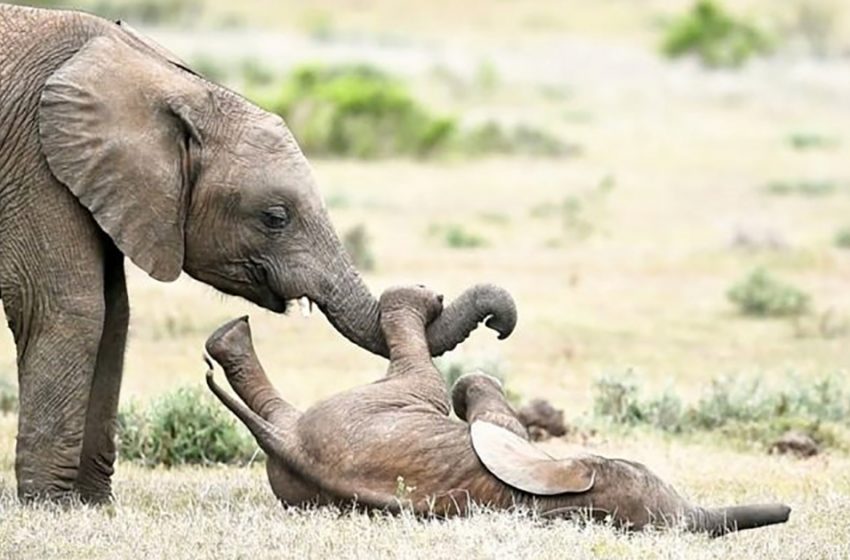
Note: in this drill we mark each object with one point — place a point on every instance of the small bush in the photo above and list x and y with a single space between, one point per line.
747 411
8 398
715 36
358 246
762 295
802 187
842 238
492 138
187 426
811 141
357 111
457 236
579 213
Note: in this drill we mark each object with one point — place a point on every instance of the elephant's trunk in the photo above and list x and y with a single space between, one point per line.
720 521
231 346
354 312
479 303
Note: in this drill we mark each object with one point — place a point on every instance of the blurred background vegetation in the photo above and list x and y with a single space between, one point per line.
663 186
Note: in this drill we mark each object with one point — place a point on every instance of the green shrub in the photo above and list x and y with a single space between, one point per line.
762 295
803 187
187 426
492 138
358 246
715 36
8 398
579 213
811 141
357 111
746 411
457 236
842 238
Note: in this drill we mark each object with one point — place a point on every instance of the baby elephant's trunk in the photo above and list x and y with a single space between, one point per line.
720 521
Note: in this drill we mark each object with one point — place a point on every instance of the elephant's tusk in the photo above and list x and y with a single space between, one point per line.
306 306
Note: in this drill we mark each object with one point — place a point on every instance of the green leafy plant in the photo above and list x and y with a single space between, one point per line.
759 294
457 236
715 36
358 111
493 138
811 141
842 238
803 187
187 426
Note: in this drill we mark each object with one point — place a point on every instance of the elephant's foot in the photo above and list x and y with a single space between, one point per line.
94 481
32 491
95 493
96 497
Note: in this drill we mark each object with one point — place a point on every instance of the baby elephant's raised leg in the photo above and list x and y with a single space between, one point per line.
411 375
478 396
231 346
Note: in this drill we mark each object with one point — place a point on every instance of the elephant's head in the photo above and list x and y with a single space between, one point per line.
183 174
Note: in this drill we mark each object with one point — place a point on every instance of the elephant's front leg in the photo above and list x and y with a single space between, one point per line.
98 455
57 351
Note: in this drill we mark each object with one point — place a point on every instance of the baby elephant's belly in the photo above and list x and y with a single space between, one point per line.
423 459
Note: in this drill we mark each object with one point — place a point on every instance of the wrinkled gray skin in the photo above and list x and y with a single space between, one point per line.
392 444
110 148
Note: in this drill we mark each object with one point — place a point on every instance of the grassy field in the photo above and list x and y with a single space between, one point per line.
633 276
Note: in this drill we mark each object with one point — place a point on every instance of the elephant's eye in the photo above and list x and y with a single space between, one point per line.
276 217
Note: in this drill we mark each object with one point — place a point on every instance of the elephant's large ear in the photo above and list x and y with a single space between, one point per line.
116 128
518 463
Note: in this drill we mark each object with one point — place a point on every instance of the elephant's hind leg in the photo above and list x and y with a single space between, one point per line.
98 455
232 347
478 396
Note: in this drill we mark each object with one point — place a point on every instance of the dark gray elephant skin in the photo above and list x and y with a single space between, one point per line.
110 148
391 444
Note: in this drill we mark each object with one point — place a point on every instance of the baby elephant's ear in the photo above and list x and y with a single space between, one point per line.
518 463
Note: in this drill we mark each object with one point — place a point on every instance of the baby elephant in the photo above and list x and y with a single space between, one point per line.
392 444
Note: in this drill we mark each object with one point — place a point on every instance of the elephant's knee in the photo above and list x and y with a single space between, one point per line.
471 390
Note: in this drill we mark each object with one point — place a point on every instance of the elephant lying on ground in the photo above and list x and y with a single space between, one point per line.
111 147
392 445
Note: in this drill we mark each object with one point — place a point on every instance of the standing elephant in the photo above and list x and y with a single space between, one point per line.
391 444
110 147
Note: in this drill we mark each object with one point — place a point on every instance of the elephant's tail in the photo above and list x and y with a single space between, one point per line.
721 521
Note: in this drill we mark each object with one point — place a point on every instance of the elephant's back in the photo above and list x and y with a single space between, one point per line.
33 44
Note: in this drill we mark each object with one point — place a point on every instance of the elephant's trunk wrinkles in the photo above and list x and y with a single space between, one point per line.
231 346
461 317
355 313
720 521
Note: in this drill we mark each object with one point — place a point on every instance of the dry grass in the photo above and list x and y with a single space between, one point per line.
231 513
689 153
